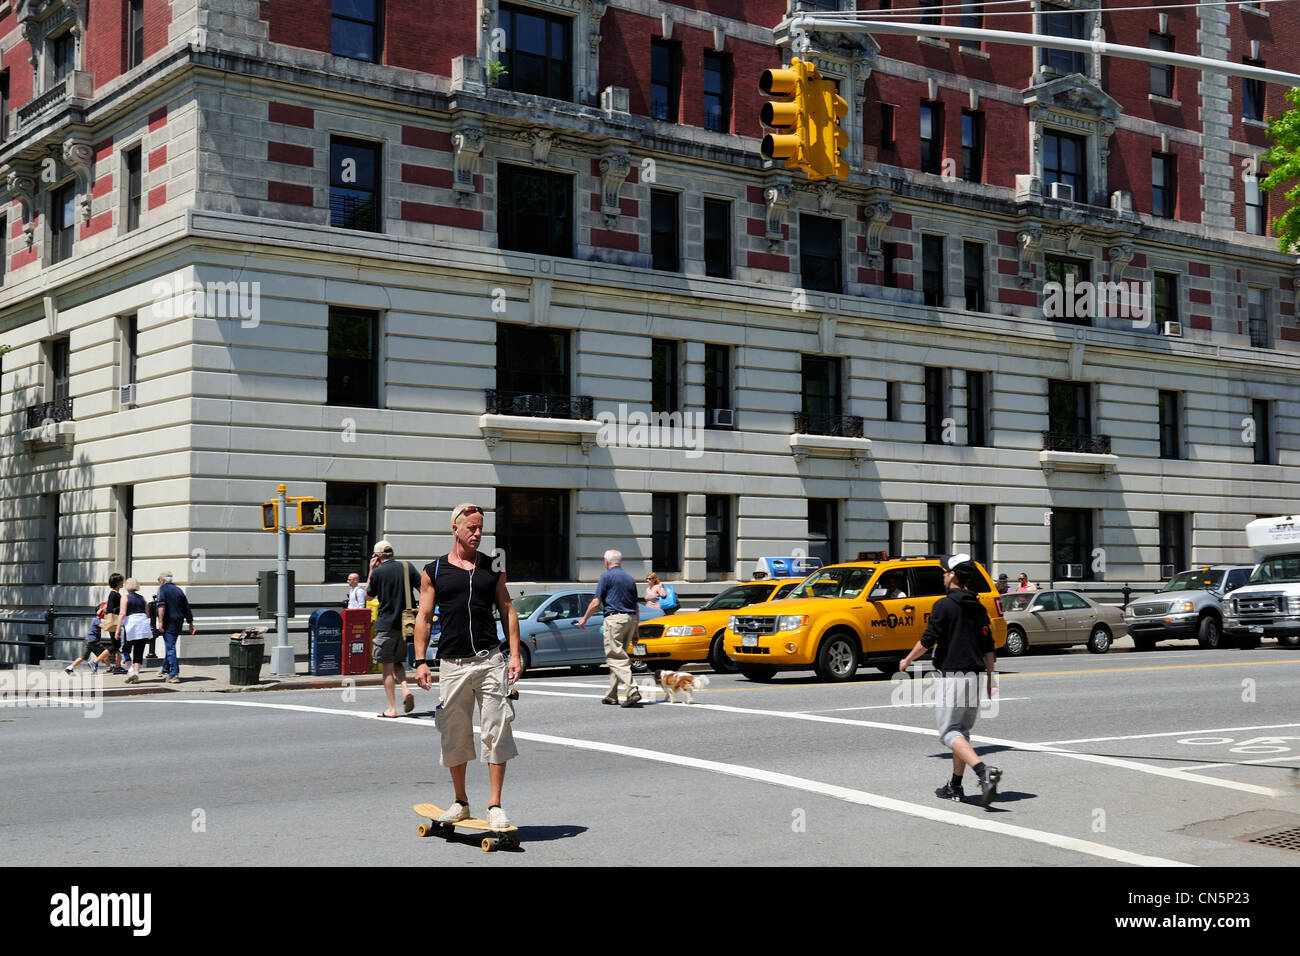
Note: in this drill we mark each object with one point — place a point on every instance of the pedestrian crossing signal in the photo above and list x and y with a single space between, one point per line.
311 514
270 516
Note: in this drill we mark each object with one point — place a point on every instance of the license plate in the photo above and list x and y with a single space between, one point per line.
638 650
749 640
1257 630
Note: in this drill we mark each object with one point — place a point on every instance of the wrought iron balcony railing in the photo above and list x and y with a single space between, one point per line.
842 426
538 404
1087 444
58 411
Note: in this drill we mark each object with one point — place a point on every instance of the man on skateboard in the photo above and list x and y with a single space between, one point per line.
464 585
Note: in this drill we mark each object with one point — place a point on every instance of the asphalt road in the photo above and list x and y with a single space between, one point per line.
1157 758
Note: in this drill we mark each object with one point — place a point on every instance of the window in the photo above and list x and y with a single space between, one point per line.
1069 274
50 534
538 55
821 402
1162 75
666 533
352 373
665 80
4 247
887 140
895 539
893 401
664 231
1069 25
63 57
972 146
1261 413
1257 318
532 362
130 348
663 376
717 534
1163 194
1065 161
533 531
1252 95
979 534
1069 409
354 29
932 19
889 253
1256 205
1173 543
135 33
971 19
4 105
352 530
1072 543
973 259
820 256
1170 425
931 136
534 211
936 530
823 530
935 404
126 526
63 222
717 382
134 187
1165 289
717 92
976 411
354 185
58 357
933 267
717 238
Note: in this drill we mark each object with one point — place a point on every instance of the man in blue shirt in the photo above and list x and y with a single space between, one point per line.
173 611
616 590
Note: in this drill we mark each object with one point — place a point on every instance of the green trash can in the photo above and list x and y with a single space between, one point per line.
245 663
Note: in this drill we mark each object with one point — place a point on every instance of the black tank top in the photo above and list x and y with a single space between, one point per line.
465 600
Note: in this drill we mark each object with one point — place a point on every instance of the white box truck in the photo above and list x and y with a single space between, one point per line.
1268 605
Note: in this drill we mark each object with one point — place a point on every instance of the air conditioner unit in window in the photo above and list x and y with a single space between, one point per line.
126 396
1166 571
1062 192
1172 328
724 418
1071 572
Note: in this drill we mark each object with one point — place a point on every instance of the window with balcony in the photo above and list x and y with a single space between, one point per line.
134 33
63 222
1261 413
717 534
539 52
354 29
1252 95
933 269
936 404
718 409
1165 291
353 509
58 357
534 211
973 279
63 56
352 365
717 238
977 425
131 162
931 136
1065 161
355 173
1072 544
823 530
533 531
938 529
1068 25
1162 75
1173 543
663 376
717 92
533 374
972 146
821 257
666 532
664 230
1163 193
665 80
1069 420
822 403
1171 425
1257 318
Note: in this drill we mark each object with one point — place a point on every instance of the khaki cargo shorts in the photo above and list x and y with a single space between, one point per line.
461 682
389 647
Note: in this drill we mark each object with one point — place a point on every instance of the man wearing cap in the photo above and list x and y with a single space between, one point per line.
1004 584
616 589
387 582
464 586
962 638
173 611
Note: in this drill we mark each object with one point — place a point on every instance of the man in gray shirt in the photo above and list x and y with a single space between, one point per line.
616 590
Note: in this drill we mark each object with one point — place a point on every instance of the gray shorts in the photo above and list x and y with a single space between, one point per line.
956 704
389 647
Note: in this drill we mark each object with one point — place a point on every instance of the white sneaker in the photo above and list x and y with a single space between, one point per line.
69 669
458 812
497 819
131 678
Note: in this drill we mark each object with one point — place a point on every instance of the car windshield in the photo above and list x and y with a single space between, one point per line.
1017 601
1193 581
529 603
733 598
1284 569
834 583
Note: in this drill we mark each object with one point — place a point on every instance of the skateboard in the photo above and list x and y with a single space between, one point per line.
505 839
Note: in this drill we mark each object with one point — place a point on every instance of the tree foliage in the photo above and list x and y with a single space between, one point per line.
1283 159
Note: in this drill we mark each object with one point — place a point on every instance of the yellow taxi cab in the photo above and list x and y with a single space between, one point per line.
683 638
847 614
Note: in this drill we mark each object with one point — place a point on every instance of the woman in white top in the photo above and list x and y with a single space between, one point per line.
135 630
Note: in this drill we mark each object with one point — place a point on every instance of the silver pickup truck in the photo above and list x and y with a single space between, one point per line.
1189 605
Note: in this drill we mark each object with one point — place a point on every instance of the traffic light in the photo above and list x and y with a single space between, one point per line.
788 114
311 513
270 516
826 109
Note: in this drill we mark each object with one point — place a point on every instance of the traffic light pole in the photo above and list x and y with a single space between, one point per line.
282 653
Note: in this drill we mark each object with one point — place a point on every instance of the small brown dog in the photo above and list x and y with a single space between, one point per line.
680 684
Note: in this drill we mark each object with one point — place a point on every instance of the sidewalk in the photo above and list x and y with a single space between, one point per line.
215 678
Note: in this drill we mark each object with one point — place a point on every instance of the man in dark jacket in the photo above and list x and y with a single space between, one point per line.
961 636
173 611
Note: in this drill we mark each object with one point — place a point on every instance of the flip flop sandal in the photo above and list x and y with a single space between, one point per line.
408 703
388 716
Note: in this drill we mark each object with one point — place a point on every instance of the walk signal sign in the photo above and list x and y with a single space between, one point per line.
311 514
270 516
807 117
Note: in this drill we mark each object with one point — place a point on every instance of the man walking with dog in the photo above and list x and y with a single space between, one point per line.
616 590
962 638
464 586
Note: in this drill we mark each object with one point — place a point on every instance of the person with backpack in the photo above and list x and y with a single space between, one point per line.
961 636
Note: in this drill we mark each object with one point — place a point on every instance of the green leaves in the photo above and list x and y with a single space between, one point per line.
1283 161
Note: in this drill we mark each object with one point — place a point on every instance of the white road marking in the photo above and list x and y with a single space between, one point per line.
1170 733
837 710
847 794
1238 763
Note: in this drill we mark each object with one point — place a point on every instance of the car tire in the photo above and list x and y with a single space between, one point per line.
1291 639
1210 633
1099 640
760 675
1144 643
1017 643
837 658
718 659
525 660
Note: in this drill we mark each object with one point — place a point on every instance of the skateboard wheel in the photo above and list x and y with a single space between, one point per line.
487 844
423 830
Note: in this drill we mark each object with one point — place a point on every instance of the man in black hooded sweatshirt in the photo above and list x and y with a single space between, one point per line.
962 638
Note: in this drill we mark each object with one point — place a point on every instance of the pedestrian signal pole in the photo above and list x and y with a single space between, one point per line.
282 653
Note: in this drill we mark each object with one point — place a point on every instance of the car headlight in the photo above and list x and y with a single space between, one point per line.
1128 613
791 622
1184 606
685 631
731 622
1293 604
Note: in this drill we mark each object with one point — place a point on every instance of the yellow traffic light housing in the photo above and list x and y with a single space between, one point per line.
788 114
311 514
827 140
270 516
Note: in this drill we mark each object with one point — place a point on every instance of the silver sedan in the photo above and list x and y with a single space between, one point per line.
1059 618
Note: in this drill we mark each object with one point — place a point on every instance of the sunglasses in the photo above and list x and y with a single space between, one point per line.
471 510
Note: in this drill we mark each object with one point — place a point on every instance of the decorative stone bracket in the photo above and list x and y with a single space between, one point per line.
778 197
1029 238
20 184
614 168
467 143
826 196
79 156
542 140
877 215
1120 258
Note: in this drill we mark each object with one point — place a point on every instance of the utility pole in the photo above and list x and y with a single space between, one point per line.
282 653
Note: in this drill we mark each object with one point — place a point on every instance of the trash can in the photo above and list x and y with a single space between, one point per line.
245 660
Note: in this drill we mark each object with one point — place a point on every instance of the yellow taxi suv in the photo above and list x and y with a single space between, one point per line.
668 642
845 615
